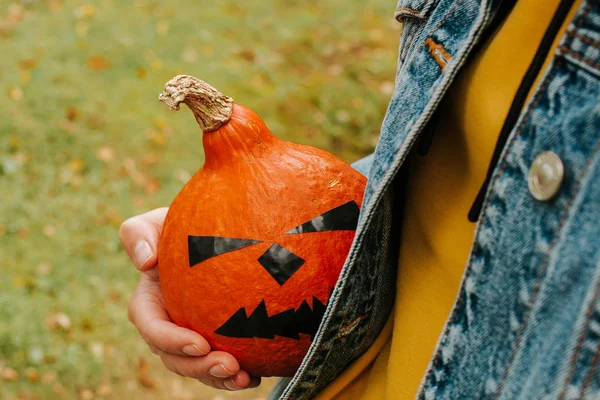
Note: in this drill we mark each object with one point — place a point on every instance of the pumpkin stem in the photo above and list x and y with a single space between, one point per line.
211 108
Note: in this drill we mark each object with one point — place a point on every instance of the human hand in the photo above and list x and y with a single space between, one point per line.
181 350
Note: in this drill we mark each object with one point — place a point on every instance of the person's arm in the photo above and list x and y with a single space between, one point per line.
181 350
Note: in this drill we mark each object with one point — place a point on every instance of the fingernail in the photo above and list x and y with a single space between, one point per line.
230 384
142 253
193 350
219 371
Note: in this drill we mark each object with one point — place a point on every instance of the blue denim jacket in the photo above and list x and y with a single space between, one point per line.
526 322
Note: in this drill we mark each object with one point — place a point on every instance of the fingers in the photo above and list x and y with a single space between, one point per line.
148 314
239 381
216 364
217 369
139 236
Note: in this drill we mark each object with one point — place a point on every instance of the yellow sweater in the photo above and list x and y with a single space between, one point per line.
436 235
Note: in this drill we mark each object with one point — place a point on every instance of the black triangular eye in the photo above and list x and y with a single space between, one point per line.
342 218
201 248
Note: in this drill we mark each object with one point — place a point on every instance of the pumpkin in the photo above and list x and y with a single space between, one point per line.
253 245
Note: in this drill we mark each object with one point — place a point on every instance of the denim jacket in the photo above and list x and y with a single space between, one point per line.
526 322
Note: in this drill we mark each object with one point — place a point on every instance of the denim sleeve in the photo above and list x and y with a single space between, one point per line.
364 165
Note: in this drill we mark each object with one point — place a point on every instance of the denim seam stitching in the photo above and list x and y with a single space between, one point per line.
408 9
591 371
411 38
585 39
581 337
579 57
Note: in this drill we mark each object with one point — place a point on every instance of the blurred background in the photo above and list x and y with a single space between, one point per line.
84 144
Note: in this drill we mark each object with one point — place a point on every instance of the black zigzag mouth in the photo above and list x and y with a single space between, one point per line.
289 323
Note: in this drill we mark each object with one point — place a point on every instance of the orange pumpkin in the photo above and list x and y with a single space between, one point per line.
254 243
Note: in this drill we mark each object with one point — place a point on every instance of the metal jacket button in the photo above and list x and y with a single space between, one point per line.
545 175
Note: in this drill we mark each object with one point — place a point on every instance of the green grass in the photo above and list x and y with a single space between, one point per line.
84 144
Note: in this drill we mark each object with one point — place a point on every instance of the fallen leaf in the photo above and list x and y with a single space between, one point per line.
104 390
84 11
32 375
105 153
98 63
68 126
157 138
44 269
114 296
16 12
86 394
131 168
386 88
247 54
49 377
152 186
20 158
15 93
55 5
206 49
160 123
72 113
9 374
49 230
141 73
95 121
59 389
143 374
76 164
62 320
162 27
28 63
150 159
15 142
97 349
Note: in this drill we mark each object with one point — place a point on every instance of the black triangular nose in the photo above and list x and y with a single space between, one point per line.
280 263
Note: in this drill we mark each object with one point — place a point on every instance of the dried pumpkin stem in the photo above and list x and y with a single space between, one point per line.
211 108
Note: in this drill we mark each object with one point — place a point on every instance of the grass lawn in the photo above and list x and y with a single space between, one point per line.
84 144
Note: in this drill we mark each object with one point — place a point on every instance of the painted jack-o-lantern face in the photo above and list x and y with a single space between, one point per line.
281 264
253 245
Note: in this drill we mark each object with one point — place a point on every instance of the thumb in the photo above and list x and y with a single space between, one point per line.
139 236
